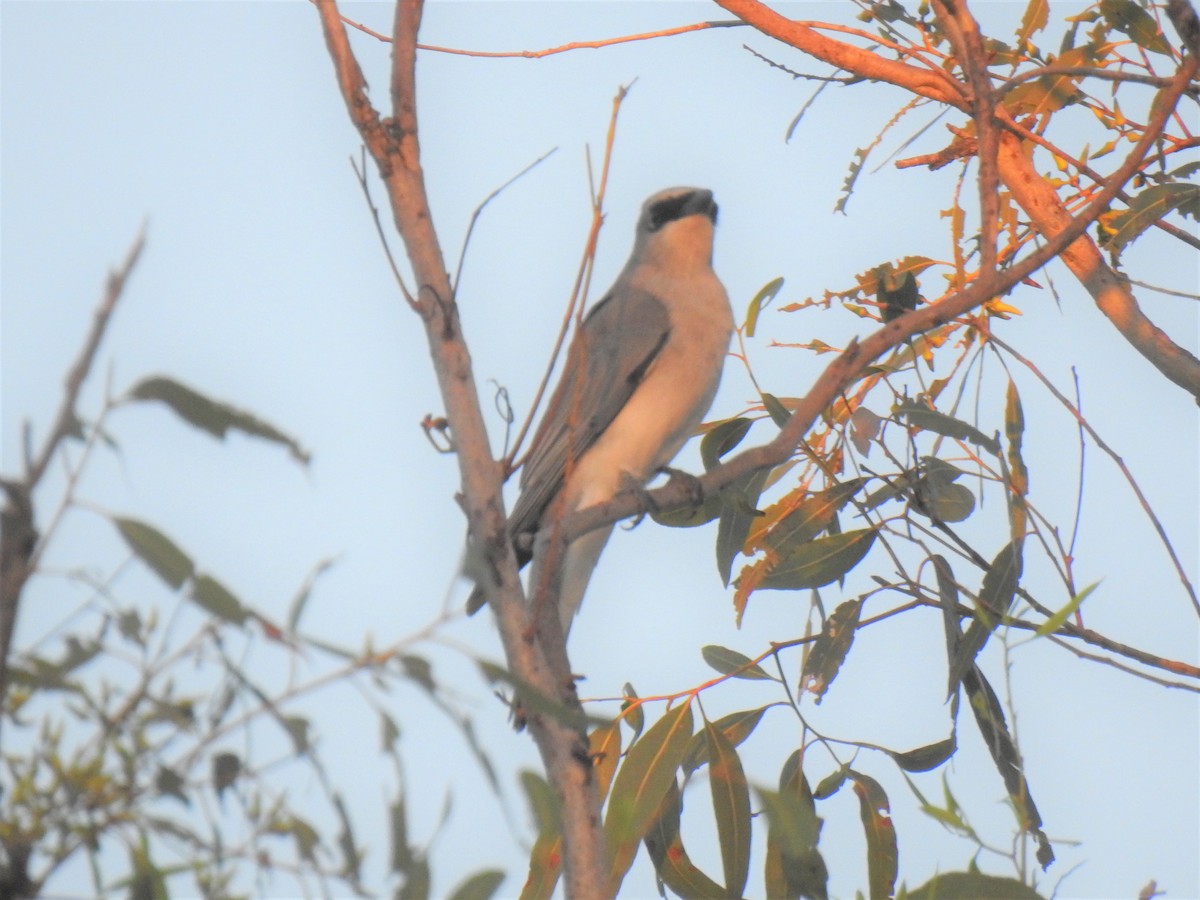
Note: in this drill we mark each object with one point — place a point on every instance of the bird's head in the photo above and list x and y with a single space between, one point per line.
676 227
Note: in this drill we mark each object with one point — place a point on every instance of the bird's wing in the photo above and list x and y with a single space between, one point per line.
609 357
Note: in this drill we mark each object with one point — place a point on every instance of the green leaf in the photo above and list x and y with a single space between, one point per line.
989 716
1056 621
636 718
921 416
975 885
811 516
225 769
737 516
729 662
882 851
641 783
731 808
722 438
389 733
820 562
147 881
995 599
297 729
547 811
794 867
925 758
671 861
157 551
896 296
300 601
212 416
944 502
831 784
775 409
1147 208
760 302
830 649
480 886
215 598
736 727
171 783
1131 20
690 516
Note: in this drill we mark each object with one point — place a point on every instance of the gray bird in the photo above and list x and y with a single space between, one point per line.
640 375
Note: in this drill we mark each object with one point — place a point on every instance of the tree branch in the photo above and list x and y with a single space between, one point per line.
18 534
394 145
1111 293
853 361
1034 194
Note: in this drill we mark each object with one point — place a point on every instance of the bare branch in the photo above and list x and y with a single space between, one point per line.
18 533
395 147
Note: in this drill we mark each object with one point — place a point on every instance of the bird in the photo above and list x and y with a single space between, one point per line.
640 375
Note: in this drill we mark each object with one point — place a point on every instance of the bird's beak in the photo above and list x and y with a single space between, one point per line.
702 203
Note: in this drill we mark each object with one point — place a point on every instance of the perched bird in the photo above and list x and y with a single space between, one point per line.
640 374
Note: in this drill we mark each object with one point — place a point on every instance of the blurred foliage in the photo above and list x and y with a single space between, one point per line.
104 746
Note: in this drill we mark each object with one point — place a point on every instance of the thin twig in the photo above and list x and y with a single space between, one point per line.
1120 463
479 209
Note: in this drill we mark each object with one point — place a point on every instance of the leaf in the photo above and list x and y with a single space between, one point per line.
995 599
212 416
1056 621
947 503
1147 208
1037 14
157 551
775 409
635 718
882 851
761 301
736 727
297 729
671 861
300 601
1131 20
922 416
1018 475
641 783
830 649
925 758
897 296
731 808
737 516
690 516
171 783
225 769
389 732
722 438
547 811
215 598
810 517
831 784
604 747
480 886
147 881
989 716
794 867
975 885
730 662
819 562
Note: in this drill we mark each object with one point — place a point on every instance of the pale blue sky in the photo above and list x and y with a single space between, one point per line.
218 124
